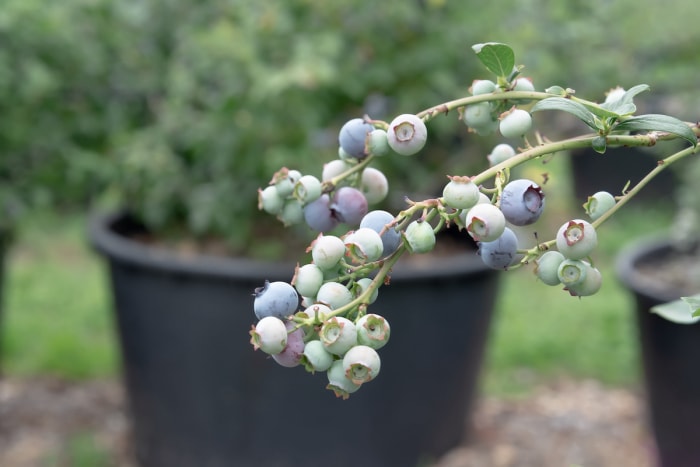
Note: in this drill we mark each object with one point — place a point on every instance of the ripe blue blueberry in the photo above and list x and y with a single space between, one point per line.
318 215
349 205
576 239
515 123
269 335
378 221
522 202
353 136
278 299
460 193
361 364
485 222
500 253
547 267
420 236
407 134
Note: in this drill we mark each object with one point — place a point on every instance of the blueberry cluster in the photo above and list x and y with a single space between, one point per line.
320 319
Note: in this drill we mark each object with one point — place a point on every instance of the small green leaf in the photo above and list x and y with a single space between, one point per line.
683 311
557 90
657 122
566 105
694 304
498 58
625 105
599 144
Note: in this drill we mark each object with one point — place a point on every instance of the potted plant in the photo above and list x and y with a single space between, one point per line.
223 121
661 272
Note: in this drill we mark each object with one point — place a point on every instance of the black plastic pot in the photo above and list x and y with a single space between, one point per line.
670 354
200 396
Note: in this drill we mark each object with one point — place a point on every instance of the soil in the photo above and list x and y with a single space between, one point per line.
50 422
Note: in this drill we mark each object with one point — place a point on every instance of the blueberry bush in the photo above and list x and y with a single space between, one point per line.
327 303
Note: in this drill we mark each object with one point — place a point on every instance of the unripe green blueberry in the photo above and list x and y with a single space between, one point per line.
292 212
378 143
515 123
338 382
316 357
338 335
523 84
327 251
407 134
270 201
307 189
479 118
318 311
572 272
269 335
460 193
374 185
485 222
361 364
482 86
576 239
364 284
333 294
420 236
308 279
599 204
547 267
364 245
500 153
373 330
590 285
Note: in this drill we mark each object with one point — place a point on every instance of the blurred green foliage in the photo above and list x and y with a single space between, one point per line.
181 110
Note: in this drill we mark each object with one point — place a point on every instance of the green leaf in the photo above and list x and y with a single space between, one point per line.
625 105
656 122
498 58
683 311
566 105
694 304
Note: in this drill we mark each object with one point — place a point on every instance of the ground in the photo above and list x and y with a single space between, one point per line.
50 422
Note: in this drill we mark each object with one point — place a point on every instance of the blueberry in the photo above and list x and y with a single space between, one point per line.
378 220
515 123
308 279
420 236
576 239
334 294
327 251
349 205
460 193
407 134
365 245
500 253
318 215
482 86
270 201
373 330
500 153
338 382
522 202
361 364
599 204
307 189
278 299
374 185
485 222
480 119
352 137
316 357
338 335
269 335
547 267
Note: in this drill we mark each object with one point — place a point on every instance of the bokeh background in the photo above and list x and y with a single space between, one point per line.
182 109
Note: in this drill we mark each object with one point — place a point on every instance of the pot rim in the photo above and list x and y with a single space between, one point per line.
118 248
636 252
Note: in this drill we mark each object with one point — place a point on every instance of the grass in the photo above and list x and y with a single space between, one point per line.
57 318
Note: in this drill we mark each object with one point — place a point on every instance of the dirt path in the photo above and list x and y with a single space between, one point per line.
45 422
